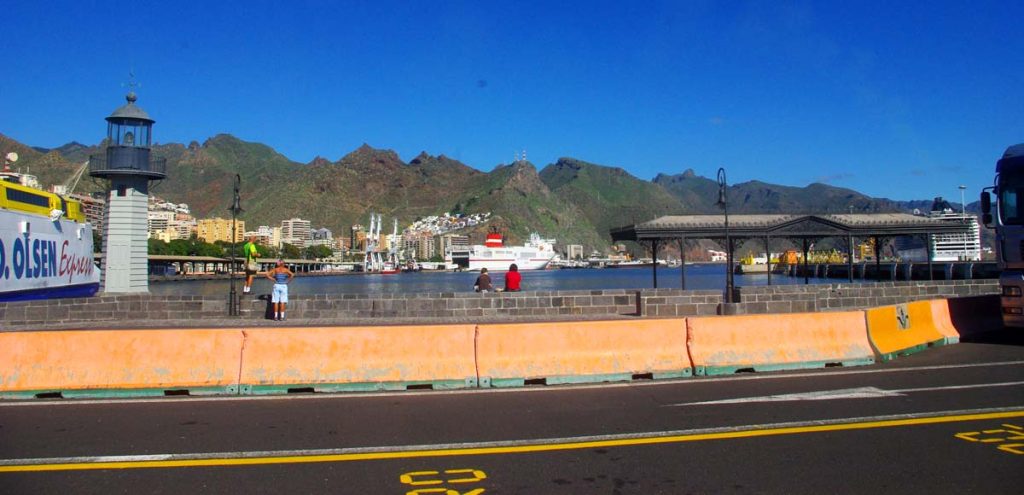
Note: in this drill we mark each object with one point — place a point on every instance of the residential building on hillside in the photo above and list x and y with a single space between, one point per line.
219 229
182 227
420 245
427 247
157 222
448 241
266 235
358 238
322 237
296 231
94 208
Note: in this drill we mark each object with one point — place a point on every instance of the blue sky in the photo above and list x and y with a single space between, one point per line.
905 100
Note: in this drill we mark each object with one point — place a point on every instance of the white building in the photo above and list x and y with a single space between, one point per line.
717 255
297 232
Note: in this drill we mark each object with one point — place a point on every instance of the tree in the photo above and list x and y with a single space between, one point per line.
156 246
268 252
318 252
291 252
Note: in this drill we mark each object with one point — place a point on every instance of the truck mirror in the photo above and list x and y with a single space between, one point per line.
986 218
986 203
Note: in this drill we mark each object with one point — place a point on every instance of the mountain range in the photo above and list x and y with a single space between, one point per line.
571 200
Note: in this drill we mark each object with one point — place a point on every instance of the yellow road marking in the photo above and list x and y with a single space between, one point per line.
513 449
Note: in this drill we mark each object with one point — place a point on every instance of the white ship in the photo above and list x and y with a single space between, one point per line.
45 242
944 247
494 255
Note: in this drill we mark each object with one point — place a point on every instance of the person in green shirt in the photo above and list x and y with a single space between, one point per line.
251 267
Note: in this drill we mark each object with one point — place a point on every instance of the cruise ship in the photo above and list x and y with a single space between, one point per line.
494 255
944 247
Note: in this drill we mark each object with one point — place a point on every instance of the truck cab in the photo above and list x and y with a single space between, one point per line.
1007 218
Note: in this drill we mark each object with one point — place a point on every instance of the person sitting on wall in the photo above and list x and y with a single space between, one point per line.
483 282
281 275
513 279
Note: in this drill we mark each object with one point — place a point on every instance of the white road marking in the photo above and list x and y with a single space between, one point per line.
846 393
497 443
412 393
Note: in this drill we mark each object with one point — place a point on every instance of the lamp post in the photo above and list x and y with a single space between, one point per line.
723 202
235 209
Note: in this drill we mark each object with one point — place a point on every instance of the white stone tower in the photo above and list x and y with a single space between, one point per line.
129 168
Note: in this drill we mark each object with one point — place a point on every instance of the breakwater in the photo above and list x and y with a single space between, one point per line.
113 311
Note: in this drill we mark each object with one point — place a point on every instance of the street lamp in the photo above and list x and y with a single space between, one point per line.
723 202
963 217
235 209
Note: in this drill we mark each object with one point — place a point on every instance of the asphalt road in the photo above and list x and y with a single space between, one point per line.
950 419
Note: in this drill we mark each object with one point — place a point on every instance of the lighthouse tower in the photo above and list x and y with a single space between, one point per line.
129 168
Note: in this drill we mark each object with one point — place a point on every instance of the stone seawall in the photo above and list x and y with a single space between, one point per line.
155 311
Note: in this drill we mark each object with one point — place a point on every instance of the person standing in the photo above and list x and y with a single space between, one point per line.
251 267
513 279
483 282
281 276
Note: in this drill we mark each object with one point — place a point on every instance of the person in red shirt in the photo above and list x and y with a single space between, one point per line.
512 279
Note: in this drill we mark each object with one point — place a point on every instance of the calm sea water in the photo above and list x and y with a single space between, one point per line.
697 277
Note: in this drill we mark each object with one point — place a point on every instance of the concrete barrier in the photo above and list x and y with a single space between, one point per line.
311 359
966 317
102 363
581 351
903 329
943 322
730 344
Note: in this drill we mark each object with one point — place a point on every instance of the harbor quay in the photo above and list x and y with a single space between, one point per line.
185 311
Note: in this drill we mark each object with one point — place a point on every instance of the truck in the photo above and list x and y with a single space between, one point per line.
1007 218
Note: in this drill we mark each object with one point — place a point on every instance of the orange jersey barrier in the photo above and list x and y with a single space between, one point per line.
581 351
903 329
943 322
118 362
728 344
357 358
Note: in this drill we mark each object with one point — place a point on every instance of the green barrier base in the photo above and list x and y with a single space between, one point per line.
754 368
914 349
293 388
486 382
117 393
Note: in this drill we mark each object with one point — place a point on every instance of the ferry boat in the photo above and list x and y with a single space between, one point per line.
494 255
46 246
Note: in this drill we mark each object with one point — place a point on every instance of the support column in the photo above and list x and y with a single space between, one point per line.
768 258
682 261
849 257
878 258
928 251
807 279
654 258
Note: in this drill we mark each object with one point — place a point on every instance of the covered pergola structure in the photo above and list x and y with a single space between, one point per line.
806 228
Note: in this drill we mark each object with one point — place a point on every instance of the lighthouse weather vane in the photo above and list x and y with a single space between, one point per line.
132 83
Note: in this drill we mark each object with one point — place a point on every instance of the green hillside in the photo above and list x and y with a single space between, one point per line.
574 201
608 196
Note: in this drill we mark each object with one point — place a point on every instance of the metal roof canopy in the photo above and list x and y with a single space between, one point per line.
792 226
